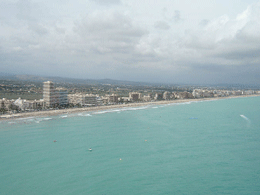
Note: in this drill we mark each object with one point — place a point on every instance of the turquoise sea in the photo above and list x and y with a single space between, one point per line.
204 147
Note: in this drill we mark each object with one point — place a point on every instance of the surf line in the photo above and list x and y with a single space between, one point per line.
244 117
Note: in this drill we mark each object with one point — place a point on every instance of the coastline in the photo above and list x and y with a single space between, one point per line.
100 108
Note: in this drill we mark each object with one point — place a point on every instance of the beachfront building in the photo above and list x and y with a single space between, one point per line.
236 93
62 96
2 103
218 93
49 94
104 99
92 100
37 104
110 99
248 92
54 97
135 96
224 93
166 95
99 101
76 99
146 98
201 93
158 96
124 99
23 104
185 95
208 94
175 95
84 99
113 98
7 105
197 93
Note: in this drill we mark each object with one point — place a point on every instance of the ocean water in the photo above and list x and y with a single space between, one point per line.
204 147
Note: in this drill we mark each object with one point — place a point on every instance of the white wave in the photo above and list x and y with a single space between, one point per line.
197 101
27 118
105 111
244 117
116 110
154 107
183 103
65 116
121 110
124 109
46 119
38 120
138 108
247 119
99 112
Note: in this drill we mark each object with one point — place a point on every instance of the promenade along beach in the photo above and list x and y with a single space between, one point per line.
107 107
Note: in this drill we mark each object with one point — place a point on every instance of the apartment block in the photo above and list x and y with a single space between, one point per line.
135 96
54 97
49 94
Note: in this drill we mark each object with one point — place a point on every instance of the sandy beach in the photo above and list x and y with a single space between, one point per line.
99 108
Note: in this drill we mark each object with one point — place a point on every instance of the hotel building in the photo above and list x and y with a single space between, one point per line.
54 97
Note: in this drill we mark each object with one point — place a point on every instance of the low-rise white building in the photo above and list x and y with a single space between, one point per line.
84 99
146 98
166 95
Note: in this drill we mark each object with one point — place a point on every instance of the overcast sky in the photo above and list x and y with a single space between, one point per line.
188 41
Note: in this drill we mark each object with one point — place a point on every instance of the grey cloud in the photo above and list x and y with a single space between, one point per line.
243 54
177 16
107 32
203 22
108 2
164 12
162 25
200 73
230 42
171 17
208 68
60 30
249 33
24 10
29 11
39 29
198 41
113 44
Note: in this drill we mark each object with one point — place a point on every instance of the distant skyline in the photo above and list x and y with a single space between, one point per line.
167 41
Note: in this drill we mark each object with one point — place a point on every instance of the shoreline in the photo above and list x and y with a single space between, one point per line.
100 108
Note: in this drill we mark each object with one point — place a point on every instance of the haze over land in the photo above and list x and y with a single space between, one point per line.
193 41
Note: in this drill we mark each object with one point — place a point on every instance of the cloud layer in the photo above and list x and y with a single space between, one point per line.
131 40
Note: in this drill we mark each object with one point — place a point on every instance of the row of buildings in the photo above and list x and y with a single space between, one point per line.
204 93
20 104
59 97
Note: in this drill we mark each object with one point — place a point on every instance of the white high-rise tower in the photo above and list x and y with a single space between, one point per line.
49 93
